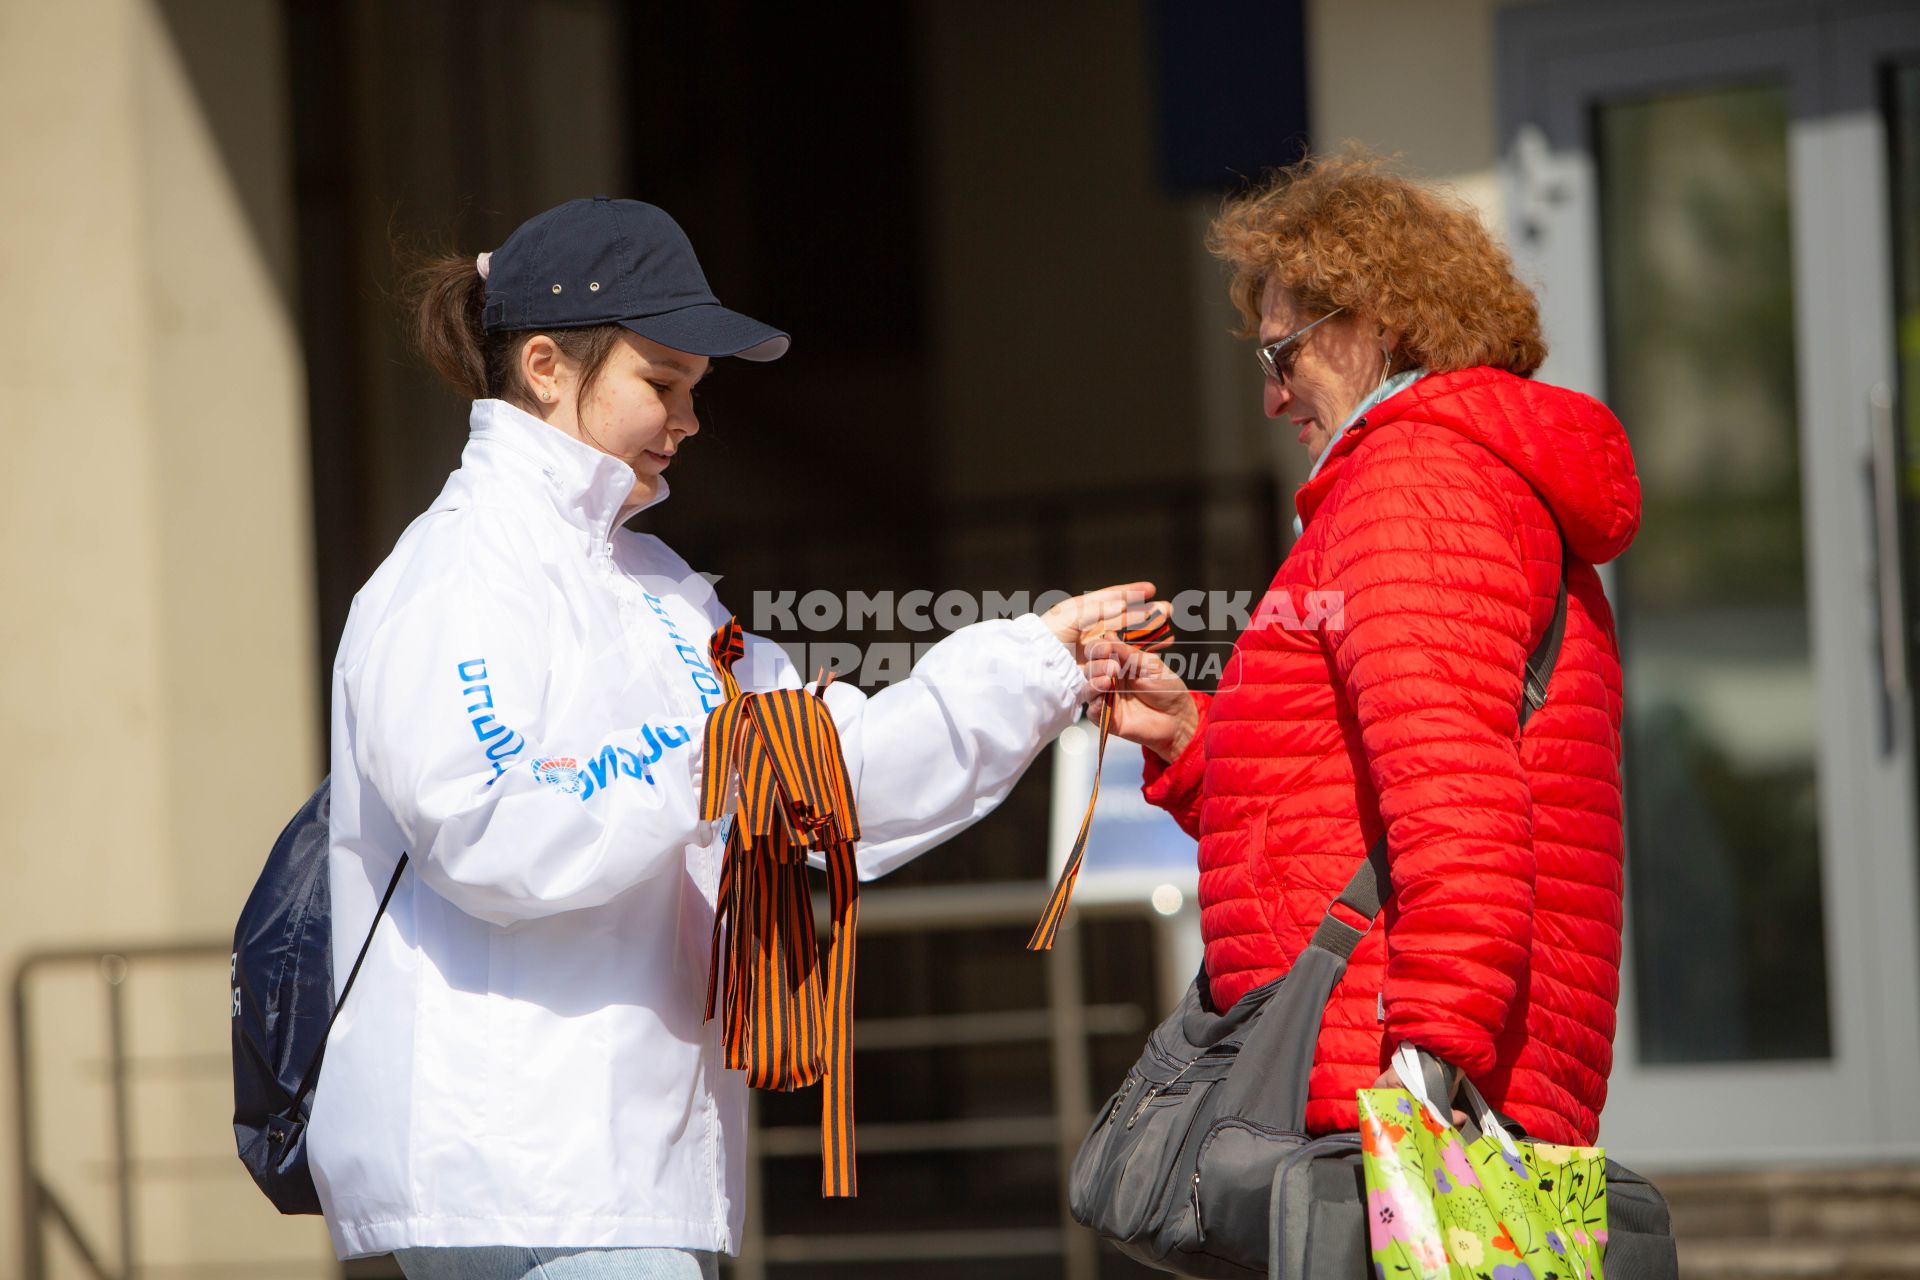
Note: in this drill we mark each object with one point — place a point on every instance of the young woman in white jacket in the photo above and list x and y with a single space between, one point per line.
523 1084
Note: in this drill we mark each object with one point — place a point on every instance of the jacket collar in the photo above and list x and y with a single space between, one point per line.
585 487
1388 388
1387 403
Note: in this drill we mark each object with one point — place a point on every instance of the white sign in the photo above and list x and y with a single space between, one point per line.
1135 852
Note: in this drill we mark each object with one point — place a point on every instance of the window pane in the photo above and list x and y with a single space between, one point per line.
1723 831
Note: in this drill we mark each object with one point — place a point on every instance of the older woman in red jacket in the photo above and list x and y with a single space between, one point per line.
1446 487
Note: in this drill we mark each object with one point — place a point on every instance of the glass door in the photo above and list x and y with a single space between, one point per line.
1696 189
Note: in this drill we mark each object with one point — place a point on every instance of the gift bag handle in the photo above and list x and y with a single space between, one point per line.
1424 1076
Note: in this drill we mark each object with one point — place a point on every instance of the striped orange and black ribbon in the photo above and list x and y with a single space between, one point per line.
784 1023
1153 634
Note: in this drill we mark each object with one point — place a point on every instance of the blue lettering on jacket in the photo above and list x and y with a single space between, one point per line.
501 743
657 745
605 765
590 777
699 670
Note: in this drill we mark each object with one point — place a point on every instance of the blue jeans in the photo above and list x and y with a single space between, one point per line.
514 1262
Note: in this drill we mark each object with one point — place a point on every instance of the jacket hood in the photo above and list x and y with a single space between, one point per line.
1568 445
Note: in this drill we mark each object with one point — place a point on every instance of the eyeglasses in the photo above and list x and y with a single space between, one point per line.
1277 358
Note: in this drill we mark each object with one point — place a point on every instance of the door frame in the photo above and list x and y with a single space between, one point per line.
1556 63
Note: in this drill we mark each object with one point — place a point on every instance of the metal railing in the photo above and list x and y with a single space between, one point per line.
44 1212
1065 1022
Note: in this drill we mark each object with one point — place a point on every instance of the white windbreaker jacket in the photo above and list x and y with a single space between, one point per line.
518 704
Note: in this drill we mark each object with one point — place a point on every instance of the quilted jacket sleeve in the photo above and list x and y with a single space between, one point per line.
1175 786
1431 653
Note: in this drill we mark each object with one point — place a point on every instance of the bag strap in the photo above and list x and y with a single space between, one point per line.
1371 885
310 1078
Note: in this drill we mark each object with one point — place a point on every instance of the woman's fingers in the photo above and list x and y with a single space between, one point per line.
1107 675
1136 663
1113 660
1073 620
1131 607
1110 602
1117 665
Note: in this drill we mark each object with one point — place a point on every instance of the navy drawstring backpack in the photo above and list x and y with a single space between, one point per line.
283 1008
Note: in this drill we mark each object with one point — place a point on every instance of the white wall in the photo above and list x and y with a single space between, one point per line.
157 691
1414 78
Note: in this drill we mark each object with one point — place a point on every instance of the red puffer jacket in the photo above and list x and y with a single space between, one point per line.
1396 700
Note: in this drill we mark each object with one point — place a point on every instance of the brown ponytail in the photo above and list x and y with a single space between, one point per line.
445 297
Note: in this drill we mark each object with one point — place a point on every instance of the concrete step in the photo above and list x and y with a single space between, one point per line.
1797 1204
1863 1259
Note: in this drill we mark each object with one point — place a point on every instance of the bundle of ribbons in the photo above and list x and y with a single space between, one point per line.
786 1023
1149 636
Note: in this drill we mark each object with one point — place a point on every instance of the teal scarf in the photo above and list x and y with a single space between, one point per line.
1391 386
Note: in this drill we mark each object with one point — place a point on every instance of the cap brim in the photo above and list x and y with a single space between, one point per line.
708 329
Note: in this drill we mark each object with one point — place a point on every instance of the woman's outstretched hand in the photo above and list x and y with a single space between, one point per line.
1151 705
1098 613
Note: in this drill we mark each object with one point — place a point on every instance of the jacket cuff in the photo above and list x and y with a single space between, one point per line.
1172 785
1056 673
1473 1053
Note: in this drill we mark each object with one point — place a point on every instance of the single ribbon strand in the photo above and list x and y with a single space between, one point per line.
1154 634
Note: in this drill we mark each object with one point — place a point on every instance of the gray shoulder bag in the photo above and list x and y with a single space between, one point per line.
1200 1163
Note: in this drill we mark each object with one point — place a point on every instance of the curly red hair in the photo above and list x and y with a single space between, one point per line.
1343 231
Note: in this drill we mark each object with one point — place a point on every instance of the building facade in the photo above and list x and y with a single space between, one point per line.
1013 370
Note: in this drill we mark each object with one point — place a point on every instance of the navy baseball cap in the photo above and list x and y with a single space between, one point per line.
604 261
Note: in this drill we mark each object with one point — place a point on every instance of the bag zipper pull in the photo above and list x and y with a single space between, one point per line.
1200 1228
1153 1091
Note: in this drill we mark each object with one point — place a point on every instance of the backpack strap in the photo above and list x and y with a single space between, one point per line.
1371 885
310 1078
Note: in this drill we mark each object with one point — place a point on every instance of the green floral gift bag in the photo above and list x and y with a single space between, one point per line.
1442 1208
